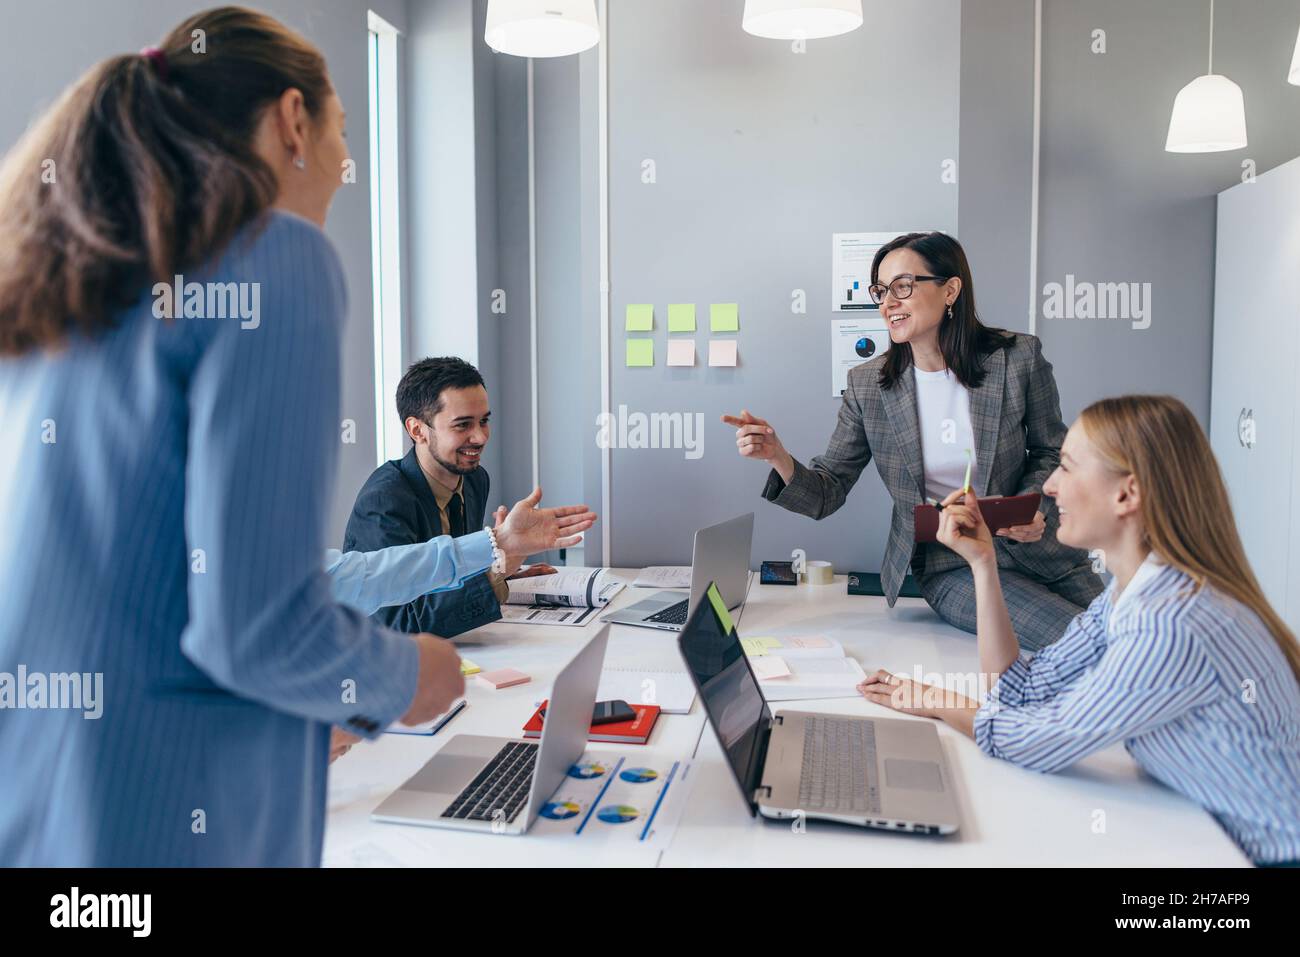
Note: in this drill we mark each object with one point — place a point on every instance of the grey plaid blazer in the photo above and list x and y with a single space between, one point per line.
1016 419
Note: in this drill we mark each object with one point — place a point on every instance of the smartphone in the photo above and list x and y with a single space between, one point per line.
777 573
608 712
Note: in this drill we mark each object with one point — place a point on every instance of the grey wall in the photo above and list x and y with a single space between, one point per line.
1116 207
42 56
761 155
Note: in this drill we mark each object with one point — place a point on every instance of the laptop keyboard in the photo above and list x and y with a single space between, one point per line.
673 614
839 771
503 785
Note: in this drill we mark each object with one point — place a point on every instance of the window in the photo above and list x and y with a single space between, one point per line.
385 236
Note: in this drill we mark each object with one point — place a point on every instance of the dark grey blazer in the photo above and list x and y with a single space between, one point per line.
1016 419
397 507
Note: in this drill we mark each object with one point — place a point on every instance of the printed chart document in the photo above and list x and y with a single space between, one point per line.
607 797
571 596
664 576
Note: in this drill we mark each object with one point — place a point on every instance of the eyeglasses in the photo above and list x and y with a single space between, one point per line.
900 288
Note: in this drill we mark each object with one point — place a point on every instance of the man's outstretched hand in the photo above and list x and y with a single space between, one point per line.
527 529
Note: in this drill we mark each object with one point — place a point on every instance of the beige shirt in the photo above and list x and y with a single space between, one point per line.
442 494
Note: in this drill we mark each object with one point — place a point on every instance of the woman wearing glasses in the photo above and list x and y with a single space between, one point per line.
949 393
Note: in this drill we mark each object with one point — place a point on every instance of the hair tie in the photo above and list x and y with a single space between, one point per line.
157 59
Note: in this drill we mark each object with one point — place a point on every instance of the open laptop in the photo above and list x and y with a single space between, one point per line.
873 772
476 783
721 555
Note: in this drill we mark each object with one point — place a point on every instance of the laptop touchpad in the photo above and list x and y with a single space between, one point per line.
446 773
913 775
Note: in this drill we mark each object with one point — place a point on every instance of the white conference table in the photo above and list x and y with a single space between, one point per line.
1102 812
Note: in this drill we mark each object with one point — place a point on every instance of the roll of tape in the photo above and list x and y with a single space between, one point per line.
818 573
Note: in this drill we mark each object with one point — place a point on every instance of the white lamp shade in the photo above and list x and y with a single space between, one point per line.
1209 117
801 19
1294 75
541 28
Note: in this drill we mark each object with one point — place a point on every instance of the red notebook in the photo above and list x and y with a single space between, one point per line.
635 731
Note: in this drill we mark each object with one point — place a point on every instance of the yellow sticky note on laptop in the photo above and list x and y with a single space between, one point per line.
724 317
640 318
681 317
720 606
640 352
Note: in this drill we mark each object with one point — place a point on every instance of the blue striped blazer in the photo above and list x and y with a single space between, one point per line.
163 492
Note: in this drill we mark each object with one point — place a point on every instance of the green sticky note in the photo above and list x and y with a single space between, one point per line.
640 352
640 318
724 317
720 607
681 317
753 647
771 643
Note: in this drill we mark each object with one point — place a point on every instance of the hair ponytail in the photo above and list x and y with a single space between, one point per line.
144 168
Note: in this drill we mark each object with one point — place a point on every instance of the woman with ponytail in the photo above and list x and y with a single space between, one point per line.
1182 658
171 659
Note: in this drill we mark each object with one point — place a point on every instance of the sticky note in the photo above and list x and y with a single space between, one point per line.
640 352
807 641
770 667
772 643
640 318
681 317
468 668
504 678
722 352
681 352
724 317
720 606
753 647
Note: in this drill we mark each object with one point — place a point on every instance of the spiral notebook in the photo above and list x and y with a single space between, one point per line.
672 690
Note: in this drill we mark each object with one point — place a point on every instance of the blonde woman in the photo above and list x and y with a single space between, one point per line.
1181 658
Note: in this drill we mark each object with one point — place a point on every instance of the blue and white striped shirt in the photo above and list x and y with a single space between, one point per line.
1190 680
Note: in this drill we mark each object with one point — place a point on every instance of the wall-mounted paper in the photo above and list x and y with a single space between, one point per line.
724 317
681 352
722 352
640 352
853 342
681 317
640 318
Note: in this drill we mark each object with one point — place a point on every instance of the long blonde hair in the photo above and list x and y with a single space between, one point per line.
1185 509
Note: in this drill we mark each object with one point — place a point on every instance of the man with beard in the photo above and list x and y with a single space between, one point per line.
437 488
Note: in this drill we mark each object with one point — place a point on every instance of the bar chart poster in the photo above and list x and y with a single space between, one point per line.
851 256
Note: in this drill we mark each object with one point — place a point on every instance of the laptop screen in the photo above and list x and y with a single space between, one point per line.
728 688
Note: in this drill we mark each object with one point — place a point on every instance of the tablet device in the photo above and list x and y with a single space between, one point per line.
999 512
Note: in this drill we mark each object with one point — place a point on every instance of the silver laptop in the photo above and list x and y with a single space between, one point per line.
721 555
477 783
873 772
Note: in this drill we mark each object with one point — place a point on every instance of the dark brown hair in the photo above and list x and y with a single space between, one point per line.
964 341
153 168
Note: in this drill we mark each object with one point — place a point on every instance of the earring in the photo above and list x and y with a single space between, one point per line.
299 162
949 310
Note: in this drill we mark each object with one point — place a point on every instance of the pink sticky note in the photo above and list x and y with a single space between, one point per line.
503 678
722 352
769 667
